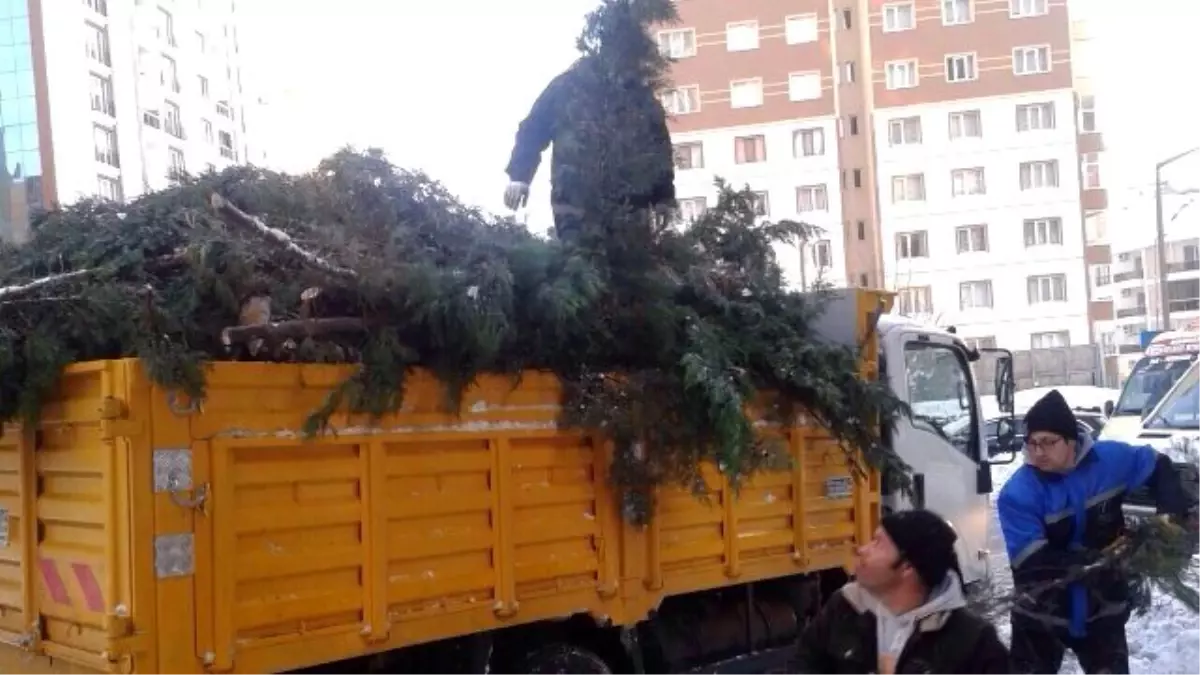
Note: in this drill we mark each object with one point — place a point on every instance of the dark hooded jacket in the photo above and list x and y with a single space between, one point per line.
578 112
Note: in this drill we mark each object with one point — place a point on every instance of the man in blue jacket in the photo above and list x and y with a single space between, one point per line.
1058 512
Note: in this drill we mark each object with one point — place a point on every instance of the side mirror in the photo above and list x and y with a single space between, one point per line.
1108 408
1005 386
1006 442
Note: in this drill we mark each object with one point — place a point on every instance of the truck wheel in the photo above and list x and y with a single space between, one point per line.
563 658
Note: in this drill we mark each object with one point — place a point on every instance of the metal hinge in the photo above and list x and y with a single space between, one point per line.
174 555
173 475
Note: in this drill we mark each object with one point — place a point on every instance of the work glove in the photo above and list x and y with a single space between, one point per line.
516 195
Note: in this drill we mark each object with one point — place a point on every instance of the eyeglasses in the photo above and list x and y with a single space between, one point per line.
1042 445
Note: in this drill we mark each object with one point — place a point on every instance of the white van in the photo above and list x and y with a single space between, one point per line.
1173 428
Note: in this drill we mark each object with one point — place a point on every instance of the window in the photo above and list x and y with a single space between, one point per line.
750 149
209 167
225 140
1103 275
846 73
1047 288
677 44
800 29
108 188
166 27
105 141
901 74
980 342
966 182
1019 9
762 205
746 93
971 238
1043 232
208 130
98 6
176 168
1035 116
201 43
1090 165
899 16
808 142
966 124
961 68
689 156
862 230
852 120
862 280
680 101
151 119
1038 175
858 178
102 95
169 74
975 295
904 131
1050 340
910 188
741 36
823 254
811 198
804 86
202 85
173 124
1087 113
911 245
692 209
915 300
1031 60
96 45
957 12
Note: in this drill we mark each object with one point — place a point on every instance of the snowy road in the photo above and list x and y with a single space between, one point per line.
1164 640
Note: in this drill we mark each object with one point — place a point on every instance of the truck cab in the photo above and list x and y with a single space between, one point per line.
930 369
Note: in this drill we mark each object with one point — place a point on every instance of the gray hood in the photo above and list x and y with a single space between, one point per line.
893 631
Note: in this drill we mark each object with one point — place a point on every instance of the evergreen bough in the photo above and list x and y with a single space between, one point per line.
664 337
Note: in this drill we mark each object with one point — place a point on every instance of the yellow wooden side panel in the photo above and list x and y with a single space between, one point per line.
17 604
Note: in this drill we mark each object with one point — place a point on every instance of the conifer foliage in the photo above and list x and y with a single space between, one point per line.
663 336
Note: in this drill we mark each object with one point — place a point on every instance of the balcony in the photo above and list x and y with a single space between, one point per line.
1131 311
1129 348
1139 273
228 153
1185 266
1191 305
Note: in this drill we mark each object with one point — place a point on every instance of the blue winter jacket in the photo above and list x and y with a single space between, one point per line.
1053 522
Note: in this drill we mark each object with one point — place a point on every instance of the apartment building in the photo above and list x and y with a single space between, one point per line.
940 144
114 98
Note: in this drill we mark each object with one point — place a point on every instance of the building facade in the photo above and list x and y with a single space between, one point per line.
115 98
943 147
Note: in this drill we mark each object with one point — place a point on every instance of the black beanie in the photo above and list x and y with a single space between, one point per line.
925 541
1051 413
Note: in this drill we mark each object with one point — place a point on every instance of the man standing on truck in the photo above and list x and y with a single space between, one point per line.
1058 513
905 612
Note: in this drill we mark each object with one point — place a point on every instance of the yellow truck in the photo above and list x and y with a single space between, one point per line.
142 534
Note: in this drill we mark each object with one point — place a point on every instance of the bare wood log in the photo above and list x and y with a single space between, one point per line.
231 213
293 330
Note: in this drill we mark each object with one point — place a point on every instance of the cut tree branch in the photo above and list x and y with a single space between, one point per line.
232 214
17 290
294 330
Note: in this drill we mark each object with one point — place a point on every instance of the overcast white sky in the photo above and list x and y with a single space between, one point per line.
442 84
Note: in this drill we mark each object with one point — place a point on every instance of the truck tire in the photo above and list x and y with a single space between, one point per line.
563 658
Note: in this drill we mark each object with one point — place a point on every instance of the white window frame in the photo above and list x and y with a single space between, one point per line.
110 154
98 45
750 45
962 116
899 128
907 242
793 24
1041 116
811 138
176 162
901 192
1021 56
1023 9
812 199
969 293
757 141
805 93
1087 113
911 66
822 254
691 209
762 204
109 187
1060 338
101 94
948 20
694 151
965 234
1046 170
1042 232
891 15
750 84
1089 171
846 72
914 300
1041 289
970 67
968 182
677 94
684 38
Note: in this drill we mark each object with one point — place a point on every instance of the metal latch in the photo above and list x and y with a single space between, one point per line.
173 475
174 555
3 527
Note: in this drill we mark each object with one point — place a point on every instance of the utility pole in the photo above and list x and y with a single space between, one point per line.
1164 306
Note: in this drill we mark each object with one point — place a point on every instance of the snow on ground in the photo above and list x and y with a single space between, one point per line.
1166 639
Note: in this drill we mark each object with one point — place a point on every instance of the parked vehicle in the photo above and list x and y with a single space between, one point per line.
1173 428
1167 358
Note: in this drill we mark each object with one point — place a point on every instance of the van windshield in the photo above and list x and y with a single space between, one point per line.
1181 410
1152 378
